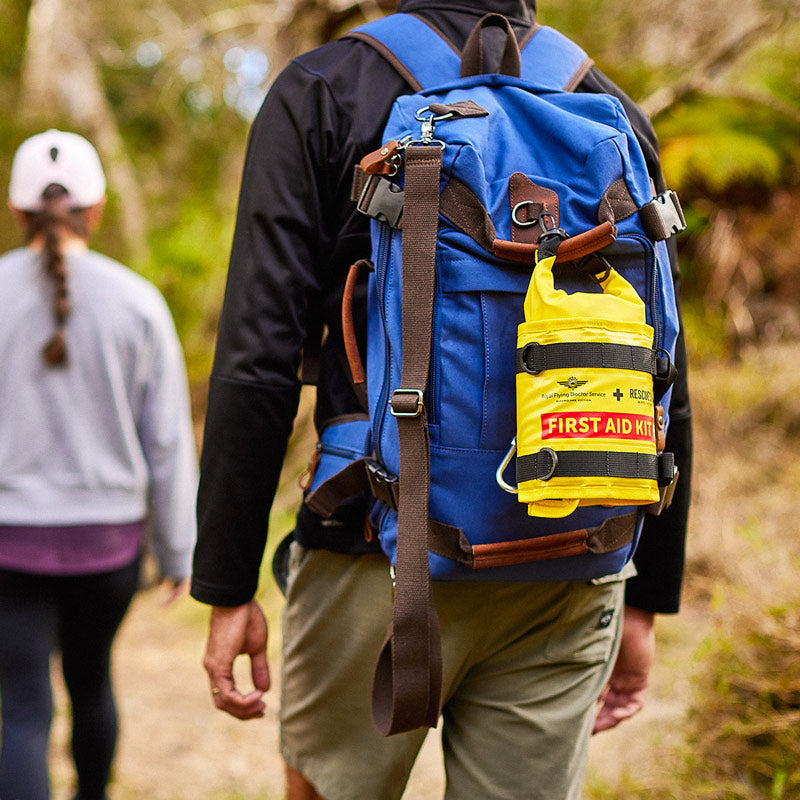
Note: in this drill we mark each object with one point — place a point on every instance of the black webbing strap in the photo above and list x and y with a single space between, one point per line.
546 464
408 677
534 358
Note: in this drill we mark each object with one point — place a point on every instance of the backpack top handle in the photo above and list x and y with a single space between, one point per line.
472 59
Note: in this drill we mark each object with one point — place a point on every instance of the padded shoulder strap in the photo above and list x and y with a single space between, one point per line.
425 58
415 49
552 61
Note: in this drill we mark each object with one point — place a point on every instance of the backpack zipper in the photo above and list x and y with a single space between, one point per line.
381 268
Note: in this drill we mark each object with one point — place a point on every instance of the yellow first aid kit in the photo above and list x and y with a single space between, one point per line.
587 422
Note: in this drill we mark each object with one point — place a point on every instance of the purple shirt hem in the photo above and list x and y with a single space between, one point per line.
69 549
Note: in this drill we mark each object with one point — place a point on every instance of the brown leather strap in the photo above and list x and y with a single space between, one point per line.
408 676
354 361
613 533
349 482
472 58
583 244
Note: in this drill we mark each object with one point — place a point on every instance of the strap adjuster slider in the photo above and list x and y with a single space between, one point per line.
406 403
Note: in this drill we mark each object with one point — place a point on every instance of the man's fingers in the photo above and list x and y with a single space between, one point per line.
249 706
260 671
617 707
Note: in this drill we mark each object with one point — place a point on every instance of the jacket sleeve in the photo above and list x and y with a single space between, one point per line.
272 291
167 440
660 555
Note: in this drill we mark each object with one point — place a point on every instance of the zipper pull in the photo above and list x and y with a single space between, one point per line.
383 161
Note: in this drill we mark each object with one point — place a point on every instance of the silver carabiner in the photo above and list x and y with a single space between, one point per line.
429 121
501 481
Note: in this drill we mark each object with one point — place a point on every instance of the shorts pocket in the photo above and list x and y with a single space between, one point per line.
588 624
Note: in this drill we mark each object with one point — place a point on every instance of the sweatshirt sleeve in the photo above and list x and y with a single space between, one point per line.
167 439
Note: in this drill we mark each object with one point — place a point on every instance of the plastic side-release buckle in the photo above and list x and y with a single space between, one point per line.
384 486
666 491
663 216
383 200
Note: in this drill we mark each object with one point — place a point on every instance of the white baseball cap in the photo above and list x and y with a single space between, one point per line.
66 159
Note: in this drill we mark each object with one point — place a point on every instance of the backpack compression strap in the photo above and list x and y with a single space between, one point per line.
408 677
425 57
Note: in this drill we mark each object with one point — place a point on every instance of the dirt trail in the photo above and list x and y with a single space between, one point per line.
175 746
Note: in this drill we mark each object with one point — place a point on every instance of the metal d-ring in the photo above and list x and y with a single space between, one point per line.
526 223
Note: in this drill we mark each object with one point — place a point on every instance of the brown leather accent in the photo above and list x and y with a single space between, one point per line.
616 203
378 161
557 545
614 533
307 478
461 206
348 326
661 433
349 482
450 542
472 57
521 189
571 249
359 179
460 110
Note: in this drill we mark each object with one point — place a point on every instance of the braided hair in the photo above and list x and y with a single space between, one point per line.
51 221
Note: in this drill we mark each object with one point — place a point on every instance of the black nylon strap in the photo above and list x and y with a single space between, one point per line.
547 463
534 358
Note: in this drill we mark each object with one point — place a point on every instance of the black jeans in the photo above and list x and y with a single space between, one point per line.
78 615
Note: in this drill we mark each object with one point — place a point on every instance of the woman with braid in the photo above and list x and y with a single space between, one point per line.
97 460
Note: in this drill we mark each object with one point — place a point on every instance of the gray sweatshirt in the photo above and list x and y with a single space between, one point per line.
108 437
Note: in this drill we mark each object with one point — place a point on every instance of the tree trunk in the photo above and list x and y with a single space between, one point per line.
60 79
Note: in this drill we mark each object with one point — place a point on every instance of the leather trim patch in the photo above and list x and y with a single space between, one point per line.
463 208
528 201
616 203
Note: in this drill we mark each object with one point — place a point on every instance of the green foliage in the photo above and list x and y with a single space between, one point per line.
743 729
188 261
714 145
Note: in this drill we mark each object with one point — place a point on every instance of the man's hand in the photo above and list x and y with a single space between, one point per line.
234 631
625 693
174 588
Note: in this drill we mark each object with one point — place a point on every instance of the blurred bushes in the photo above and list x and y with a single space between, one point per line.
744 723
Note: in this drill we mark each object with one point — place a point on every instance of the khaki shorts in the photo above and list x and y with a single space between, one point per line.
524 664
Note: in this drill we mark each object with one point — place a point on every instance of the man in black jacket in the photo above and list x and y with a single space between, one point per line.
297 233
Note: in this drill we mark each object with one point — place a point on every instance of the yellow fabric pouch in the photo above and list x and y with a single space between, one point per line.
585 405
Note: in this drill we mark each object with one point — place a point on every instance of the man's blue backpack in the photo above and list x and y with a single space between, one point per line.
482 178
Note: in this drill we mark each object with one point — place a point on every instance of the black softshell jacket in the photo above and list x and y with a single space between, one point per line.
297 232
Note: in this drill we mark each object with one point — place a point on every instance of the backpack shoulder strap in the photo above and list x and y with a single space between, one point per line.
552 61
425 57
419 52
